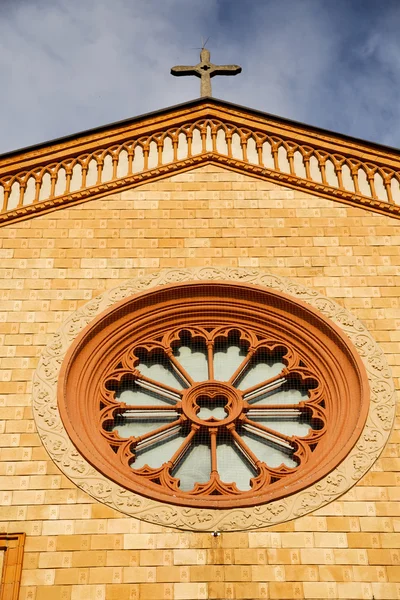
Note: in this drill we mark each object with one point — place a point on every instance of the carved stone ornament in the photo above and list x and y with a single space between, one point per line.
321 371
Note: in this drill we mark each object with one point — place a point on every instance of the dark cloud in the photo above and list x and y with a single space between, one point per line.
67 66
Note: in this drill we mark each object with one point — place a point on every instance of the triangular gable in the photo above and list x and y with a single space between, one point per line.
120 156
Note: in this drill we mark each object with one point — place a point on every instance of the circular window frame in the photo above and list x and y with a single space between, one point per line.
369 436
149 315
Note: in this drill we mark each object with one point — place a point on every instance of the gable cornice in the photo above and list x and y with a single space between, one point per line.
100 162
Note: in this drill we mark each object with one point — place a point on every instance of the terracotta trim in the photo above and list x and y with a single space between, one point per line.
13 547
327 356
358 157
126 183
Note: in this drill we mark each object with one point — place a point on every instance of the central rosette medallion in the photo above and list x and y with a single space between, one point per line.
212 404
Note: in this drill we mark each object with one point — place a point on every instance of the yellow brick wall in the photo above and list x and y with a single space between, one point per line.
52 264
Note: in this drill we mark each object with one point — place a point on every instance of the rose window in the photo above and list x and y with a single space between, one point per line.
213 394
216 412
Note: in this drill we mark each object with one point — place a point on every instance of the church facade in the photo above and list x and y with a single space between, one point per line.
198 237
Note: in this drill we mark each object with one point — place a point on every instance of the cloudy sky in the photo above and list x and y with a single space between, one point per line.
71 65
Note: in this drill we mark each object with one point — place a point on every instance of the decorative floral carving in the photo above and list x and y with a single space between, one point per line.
368 447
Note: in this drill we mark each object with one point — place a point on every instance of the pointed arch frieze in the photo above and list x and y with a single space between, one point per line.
96 165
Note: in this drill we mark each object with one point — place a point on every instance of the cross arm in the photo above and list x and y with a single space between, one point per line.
179 71
225 70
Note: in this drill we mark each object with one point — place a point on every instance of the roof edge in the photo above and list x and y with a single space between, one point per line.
195 103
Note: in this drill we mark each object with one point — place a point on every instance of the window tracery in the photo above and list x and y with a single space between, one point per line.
212 411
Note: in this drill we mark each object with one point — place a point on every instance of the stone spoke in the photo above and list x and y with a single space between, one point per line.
249 456
153 411
266 386
157 435
242 367
169 393
178 368
276 411
183 448
269 435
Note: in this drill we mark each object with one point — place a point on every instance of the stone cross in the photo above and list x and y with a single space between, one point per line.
205 70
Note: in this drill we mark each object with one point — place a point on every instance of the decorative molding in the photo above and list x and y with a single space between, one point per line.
103 163
13 547
373 436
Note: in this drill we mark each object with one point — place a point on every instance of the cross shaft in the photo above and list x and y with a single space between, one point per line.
205 69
